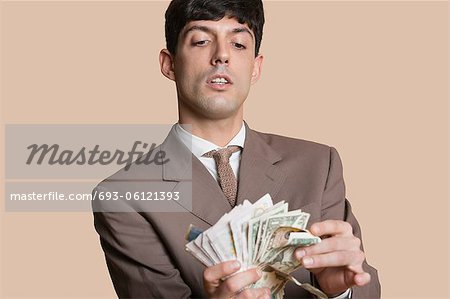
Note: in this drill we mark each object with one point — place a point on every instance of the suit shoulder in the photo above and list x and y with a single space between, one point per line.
284 144
144 170
311 159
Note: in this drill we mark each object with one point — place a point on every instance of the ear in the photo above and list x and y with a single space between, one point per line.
257 68
166 64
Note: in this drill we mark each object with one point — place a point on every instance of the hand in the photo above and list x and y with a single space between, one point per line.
336 261
233 286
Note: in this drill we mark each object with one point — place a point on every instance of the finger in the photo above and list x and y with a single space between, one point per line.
352 259
361 279
330 245
265 296
331 227
239 281
261 293
213 274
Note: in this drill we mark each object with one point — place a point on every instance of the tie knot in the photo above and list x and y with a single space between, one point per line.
222 155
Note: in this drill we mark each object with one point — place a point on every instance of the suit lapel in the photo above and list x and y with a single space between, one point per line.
208 201
258 175
258 172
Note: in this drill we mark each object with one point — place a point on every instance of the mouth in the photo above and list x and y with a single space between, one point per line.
219 81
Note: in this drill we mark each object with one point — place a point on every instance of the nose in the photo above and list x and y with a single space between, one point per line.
221 54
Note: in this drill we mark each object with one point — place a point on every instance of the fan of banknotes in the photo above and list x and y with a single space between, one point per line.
260 235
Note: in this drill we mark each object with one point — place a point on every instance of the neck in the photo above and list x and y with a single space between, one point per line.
219 132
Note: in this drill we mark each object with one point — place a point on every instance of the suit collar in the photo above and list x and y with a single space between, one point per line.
179 166
259 173
200 146
255 145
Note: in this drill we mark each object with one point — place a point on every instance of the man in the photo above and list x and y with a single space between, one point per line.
213 57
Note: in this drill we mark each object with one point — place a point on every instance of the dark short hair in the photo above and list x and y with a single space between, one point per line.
180 12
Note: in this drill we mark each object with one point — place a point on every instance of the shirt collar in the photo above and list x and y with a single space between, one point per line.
200 146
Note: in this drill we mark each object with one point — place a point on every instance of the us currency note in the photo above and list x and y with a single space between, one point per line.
257 235
294 219
255 228
239 226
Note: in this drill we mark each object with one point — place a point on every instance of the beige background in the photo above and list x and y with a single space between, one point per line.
370 78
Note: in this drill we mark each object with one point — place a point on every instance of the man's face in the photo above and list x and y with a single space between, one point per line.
214 67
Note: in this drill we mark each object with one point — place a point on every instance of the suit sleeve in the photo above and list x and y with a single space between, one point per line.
336 206
137 261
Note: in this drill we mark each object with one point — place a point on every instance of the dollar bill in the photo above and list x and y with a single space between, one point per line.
256 228
261 234
293 219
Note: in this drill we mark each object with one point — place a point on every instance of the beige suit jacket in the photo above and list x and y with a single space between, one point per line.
145 251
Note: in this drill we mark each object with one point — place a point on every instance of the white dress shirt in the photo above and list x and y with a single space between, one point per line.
200 146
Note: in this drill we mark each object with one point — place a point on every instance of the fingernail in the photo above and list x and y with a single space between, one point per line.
300 254
307 261
362 278
236 265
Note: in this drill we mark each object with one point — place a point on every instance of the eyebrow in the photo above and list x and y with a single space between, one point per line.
208 30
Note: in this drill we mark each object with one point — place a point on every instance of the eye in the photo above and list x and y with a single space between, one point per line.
200 43
239 46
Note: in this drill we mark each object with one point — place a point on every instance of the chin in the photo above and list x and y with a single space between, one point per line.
218 113
220 108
